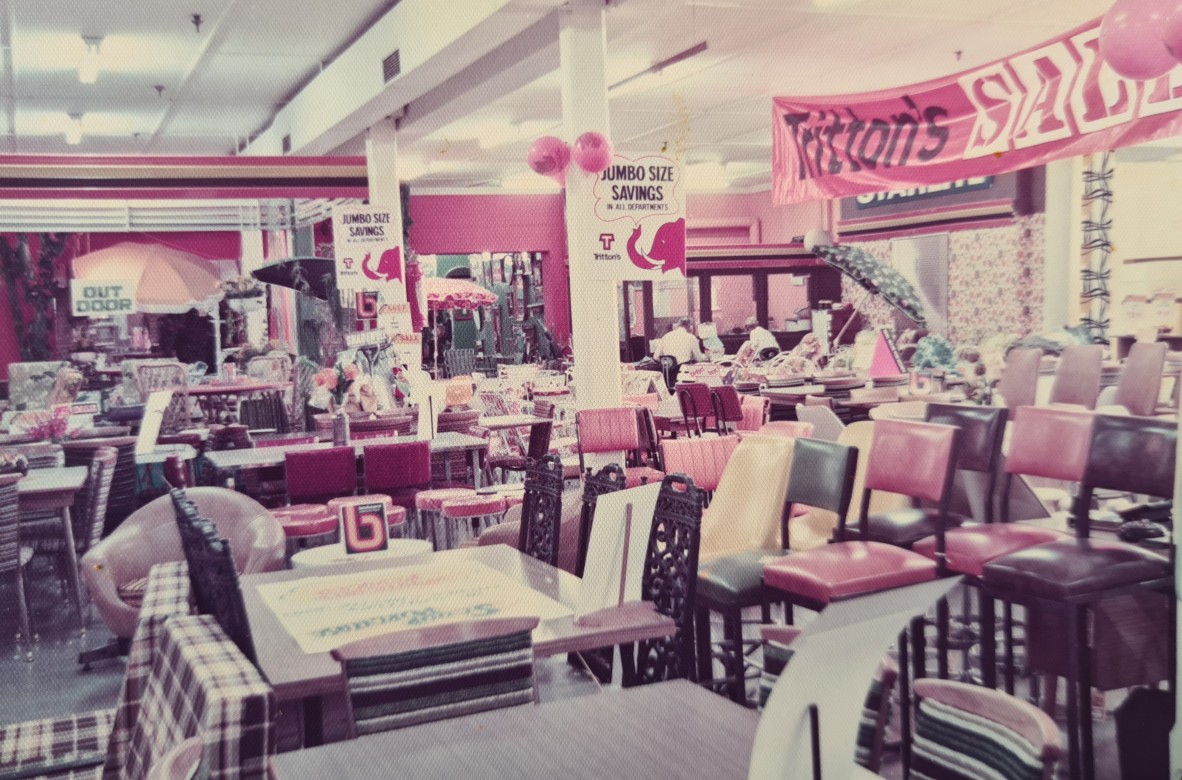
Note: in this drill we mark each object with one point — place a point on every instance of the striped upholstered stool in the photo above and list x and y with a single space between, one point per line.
306 525
429 504
459 515
395 515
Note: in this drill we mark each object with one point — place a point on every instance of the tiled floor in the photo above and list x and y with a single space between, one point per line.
53 684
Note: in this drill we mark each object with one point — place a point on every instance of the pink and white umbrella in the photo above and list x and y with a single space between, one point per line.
167 281
447 294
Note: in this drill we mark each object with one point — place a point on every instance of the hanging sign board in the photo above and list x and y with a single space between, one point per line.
639 219
1059 99
371 274
101 298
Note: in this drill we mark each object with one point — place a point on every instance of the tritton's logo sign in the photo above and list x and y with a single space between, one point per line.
1056 100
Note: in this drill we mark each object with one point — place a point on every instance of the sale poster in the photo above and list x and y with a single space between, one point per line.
640 219
322 613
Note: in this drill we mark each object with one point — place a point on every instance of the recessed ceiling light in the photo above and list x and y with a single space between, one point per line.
88 66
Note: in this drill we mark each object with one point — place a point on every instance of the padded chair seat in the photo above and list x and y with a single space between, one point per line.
300 520
132 593
473 506
970 547
634 476
432 500
904 527
403 497
839 571
734 580
1074 567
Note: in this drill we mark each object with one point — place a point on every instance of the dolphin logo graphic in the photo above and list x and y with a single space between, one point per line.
668 248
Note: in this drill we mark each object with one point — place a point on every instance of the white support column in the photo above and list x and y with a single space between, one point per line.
1064 191
595 320
251 259
381 157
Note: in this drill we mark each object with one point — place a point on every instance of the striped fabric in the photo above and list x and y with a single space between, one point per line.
951 744
202 685
165 595
868 747
447 681
71 747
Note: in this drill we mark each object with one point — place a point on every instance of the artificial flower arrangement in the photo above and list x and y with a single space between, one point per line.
332 384
981 366
43 425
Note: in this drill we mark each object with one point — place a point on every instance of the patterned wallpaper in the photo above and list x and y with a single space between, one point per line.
995 281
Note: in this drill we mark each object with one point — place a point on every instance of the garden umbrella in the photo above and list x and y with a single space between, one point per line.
168 281
877 278
309 275
445 294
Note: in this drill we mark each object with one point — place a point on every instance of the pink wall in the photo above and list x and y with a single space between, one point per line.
774 224
461 224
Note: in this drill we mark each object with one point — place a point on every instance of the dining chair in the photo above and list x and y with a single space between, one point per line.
450 469
406 678
459 362
79 744
123 498
1077 377
537 447
1140 380
727 406
965 730
826 425
669 580
968 547
153 375
14 556
400 471
1078 578
46 535
269 368
608 479
613 430
30 384
541 511
315 476
1018 385
703 460
756 410
696 403
202 685
385 425
213 575
876 709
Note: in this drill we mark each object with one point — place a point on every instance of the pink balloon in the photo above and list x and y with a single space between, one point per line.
1131 39
1172 30
549 156
592 152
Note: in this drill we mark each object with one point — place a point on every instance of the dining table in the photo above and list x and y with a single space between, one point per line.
54 490
672 729
263 457
311 682
217 398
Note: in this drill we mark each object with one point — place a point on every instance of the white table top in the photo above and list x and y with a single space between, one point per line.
259 457
328 554
502 421
69 478
165 451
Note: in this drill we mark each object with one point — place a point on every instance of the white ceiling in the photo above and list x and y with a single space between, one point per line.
226 83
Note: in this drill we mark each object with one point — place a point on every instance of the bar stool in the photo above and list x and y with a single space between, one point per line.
462 513
306 526
395 515
429 506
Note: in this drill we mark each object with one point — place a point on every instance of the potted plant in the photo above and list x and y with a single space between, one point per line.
243 294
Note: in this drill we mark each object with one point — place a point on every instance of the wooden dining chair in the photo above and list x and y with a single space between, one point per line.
541 510
1077 378
1019 379
405 678
1140 380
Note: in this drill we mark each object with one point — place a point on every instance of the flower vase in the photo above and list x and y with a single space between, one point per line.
340 428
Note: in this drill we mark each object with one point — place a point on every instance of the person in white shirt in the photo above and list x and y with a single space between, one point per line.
680 344
758 339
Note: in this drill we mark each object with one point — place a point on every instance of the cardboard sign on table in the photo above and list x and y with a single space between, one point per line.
158 401
363 527
616 550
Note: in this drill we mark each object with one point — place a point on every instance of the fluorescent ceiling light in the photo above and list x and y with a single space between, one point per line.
73 129
664 71
88 66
